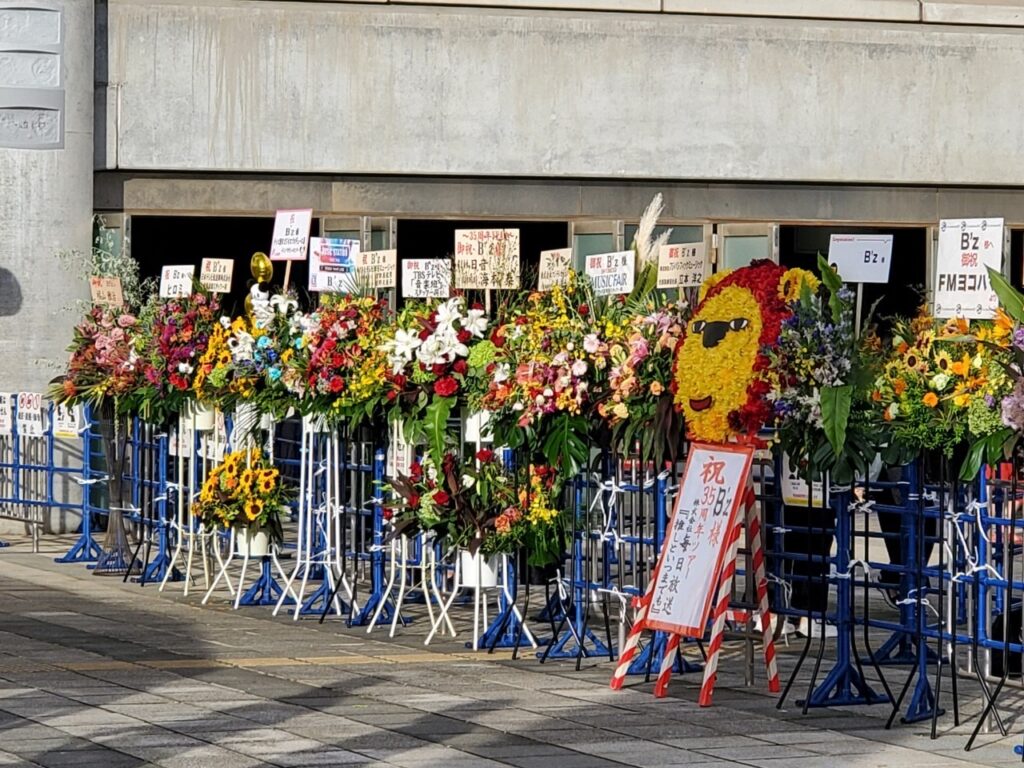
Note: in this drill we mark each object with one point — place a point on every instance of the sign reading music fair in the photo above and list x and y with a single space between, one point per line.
611 273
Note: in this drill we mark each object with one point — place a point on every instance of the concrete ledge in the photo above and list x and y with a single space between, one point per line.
988 12
868 10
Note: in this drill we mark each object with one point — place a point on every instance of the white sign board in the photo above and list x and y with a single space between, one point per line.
377 269
67 421
967 247
554 268
106 290
794 487
487 258
29 420
681 265
400 453
291 235
6 425
686 581
176 281
426 278
215 275
332 265
861 258
612 273
180 439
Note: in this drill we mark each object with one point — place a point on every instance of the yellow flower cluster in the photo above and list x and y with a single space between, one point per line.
242 487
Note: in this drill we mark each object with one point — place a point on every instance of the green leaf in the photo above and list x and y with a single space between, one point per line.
972 462
1010 298
835 413
435 426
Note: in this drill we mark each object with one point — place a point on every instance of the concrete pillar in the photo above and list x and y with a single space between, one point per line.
46 180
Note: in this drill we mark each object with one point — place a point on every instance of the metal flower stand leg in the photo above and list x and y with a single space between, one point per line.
117 559
222 565
508 628
396 575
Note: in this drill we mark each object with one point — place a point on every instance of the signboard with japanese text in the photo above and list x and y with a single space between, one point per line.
681 265
29 420
554 268
215 275
686 578
794 487
180 441
426 278
376 269
487 258
107 291
67 421
400 453
332 264
861 258
176 281
6 425
967 247
291 235
611 273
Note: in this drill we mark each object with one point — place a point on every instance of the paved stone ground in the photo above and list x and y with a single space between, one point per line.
96 673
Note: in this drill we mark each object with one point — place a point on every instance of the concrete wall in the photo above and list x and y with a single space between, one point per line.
228 85
45 193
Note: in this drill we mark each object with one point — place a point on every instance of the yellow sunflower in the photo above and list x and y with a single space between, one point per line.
253 508
944 362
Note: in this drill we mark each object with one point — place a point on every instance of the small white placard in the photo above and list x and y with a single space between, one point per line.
181 439
215 275
426 278
291 235
794 487
861 258
107 291
554 268
400 453
6 425
487 258
967 247
176 281
67 421
30 414
611 273
332 264
377 269
681 265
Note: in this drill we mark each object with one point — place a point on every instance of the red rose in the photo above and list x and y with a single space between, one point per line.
416 470
414 500
337 384
446 386
498 337
388 513
391 394
484 455
584 310
424 334
438 369
464 336
491 367
441 497
399 380
460 367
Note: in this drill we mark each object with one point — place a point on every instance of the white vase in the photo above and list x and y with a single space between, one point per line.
477 570
251 541
203 416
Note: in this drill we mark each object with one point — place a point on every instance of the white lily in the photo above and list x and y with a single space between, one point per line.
476 322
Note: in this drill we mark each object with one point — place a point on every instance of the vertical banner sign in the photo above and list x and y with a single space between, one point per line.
426 278
176 281
861 258
487 258
5 415
67 421
696 540
967 247
681 265
377 269
106 291
332 264
611 273
291 235
30 414
554 268
215 275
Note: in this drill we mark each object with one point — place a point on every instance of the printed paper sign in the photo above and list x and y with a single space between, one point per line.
29 421
67 421
107 291
487 258
794 487
861 258
611 273
215 275
291 235
181 439
426 278
377 269
332 264
176 281
681 265
400 453
6 425
967 247
554 268
696 539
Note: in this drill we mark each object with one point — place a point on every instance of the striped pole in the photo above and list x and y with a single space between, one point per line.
633 641
757 550
718 628
667 662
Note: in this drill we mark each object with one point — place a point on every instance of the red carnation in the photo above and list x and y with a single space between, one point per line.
446 386
337 384
388 513
460 367
391 394
464 336
441 497
484 455
584 310
424 334
438 369
416 470
414 500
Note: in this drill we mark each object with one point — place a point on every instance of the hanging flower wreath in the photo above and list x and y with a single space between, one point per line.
721 374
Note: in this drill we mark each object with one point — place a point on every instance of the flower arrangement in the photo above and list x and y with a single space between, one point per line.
532 520
219 378
428 350
244 489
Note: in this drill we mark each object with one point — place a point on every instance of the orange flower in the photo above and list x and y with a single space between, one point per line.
960 367
899 386
902 348
876 396
887 415
931 400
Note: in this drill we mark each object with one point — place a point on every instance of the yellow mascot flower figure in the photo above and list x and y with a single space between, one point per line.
721 374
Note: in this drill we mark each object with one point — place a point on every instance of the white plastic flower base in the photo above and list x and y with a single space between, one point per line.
251 541
478 571
204 416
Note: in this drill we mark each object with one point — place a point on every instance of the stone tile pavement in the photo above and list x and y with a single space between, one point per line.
99 674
